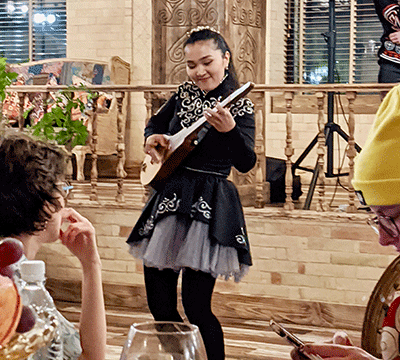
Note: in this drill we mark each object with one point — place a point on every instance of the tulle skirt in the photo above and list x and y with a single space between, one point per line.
179 242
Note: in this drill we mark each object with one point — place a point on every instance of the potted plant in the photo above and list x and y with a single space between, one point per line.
6 78
60 124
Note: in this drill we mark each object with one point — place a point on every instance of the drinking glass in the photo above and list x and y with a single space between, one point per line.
161 340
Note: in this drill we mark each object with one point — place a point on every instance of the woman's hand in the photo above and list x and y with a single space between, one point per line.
220 118
339 348
80 237
155 146
395 37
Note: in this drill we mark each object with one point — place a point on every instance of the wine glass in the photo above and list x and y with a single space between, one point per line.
163 340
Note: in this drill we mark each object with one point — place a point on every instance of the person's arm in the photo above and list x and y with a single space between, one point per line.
388 12
237 125
80 239
159 122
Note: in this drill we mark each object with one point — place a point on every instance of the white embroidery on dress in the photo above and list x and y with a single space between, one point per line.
168 205
241 107
147 227
241 239
193 104
202 207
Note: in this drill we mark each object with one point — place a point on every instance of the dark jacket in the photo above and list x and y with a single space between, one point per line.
388 12
199 189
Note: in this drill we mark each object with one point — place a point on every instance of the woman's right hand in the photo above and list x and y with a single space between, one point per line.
395 37
80 237
155 146
334 352
339 348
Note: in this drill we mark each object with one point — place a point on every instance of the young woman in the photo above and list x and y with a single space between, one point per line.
32 211
195 222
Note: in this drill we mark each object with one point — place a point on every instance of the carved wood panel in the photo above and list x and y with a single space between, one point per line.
245 32
171 20
242 22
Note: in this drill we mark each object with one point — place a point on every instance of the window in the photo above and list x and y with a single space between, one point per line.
32 29
357 29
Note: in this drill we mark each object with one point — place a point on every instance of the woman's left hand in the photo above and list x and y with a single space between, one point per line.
220 118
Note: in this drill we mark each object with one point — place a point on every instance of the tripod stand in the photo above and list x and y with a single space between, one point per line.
330 127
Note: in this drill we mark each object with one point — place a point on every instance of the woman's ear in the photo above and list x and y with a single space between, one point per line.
227 58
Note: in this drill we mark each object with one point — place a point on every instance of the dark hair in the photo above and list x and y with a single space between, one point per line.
209 34
30 172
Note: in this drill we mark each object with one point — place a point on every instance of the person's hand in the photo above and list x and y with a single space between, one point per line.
395 37
155 146
220 118
79 237
339 348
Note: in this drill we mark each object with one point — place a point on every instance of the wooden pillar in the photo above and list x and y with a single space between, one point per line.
148 96
321 151
261 186
93 147
21 120
351 151
120 147
289 151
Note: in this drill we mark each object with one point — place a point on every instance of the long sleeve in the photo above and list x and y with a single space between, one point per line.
241 137
243 155
219 151
388 12
159 123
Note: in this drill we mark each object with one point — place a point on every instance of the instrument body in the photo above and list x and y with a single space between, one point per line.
181 144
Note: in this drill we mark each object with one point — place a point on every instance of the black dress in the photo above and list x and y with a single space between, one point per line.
196 220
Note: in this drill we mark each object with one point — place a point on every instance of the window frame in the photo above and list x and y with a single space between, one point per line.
298 27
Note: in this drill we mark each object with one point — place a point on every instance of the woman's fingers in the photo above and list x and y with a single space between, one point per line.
337 352
73 216
220 118
296 355
155 146
341 338
78 224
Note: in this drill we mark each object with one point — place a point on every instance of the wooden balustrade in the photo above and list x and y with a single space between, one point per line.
258 95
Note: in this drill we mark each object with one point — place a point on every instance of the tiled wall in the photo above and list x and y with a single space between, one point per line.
328 257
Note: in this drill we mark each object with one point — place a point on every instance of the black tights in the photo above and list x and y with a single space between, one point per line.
197 289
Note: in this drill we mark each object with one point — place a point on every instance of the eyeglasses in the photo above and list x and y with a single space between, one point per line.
386 223
65 187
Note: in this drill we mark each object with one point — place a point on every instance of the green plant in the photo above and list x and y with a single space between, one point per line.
6 78
58 125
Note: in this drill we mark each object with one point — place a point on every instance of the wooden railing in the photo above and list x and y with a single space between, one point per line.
259 96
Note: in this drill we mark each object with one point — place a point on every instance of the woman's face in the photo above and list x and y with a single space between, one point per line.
206 64
392 213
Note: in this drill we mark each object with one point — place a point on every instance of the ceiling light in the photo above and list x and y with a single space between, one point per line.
10 7
51 18
39 18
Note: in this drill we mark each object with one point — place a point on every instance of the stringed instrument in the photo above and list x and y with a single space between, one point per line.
181 144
